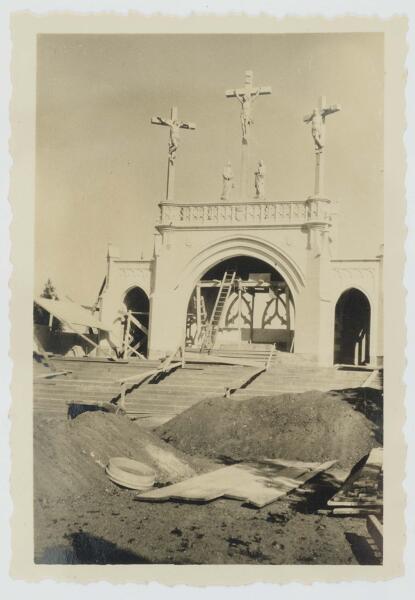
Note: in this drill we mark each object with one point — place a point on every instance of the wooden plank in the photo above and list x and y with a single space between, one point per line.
258 483
243 382
139 324
368 477
212 358
352 512
52 374
375 529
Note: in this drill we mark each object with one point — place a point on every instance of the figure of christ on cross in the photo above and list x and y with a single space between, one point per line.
318 119
174 139
247 96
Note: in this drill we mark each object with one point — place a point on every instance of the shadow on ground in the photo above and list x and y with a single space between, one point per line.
362 549
87 549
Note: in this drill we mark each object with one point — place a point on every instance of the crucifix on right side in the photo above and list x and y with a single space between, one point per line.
317 119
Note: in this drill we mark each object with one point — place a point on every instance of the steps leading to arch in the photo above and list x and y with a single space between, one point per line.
154 403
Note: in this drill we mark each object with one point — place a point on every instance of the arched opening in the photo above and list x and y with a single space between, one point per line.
241 300
136 323
352 329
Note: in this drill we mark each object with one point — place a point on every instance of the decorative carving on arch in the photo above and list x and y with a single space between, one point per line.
360 277
239 245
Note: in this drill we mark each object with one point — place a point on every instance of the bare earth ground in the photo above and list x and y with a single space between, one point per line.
118 530
82 517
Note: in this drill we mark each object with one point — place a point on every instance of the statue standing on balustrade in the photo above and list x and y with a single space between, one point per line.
260 180
227 182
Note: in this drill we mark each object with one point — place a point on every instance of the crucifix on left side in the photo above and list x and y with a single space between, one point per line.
175 125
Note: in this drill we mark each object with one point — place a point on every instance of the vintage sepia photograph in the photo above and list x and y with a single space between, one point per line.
208 299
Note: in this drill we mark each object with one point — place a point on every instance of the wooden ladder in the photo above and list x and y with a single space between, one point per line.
217 312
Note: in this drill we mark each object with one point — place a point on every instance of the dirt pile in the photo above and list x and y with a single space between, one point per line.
70 456
311 426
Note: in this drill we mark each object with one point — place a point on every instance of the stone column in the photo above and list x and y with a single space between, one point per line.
314 337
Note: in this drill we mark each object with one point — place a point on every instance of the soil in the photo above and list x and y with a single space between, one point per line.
81 517
311 426
71 456
112 528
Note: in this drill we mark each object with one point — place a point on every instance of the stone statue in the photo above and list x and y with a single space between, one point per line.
246 99
260 180
227 183
317 130
174 139
174 126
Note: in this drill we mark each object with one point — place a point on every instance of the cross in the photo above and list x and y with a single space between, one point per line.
318 120
175 125
246 96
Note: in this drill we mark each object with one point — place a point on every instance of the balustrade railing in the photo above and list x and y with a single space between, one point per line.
244 213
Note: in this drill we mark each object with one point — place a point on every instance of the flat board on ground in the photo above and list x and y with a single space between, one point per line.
259 483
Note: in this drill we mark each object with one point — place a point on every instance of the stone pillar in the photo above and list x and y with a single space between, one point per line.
167 321
109 297
314 334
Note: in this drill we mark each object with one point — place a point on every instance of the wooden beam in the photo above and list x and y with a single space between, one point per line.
242 382
287 307
198 311
81 335
209 283
375 529
52 374
138 324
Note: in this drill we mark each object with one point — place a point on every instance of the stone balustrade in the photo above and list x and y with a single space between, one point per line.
237 214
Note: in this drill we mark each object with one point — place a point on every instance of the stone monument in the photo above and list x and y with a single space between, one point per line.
317 119
227 182
174 139
246 96
260 180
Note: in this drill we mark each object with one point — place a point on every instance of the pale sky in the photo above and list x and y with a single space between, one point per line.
101 166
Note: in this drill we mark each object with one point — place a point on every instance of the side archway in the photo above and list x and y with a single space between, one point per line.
352 328
137 306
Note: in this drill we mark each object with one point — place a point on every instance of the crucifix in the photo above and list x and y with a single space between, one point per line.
174 139
318 119
246 96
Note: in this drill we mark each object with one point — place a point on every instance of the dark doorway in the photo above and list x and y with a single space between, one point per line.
136 322
352 329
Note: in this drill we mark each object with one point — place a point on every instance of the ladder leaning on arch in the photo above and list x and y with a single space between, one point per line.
217 312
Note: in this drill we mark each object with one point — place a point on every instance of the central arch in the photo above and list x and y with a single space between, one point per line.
228 247
240 299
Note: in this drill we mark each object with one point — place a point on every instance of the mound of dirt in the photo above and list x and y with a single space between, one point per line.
70 456
311 426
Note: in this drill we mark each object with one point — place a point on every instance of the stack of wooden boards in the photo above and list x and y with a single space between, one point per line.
362 492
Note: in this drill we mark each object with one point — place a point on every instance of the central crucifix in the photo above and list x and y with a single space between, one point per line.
246 96
175 125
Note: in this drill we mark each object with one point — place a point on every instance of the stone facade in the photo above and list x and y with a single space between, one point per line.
295 238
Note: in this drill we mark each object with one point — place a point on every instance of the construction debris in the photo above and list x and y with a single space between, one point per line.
257 483
362 492
375 530
130 473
